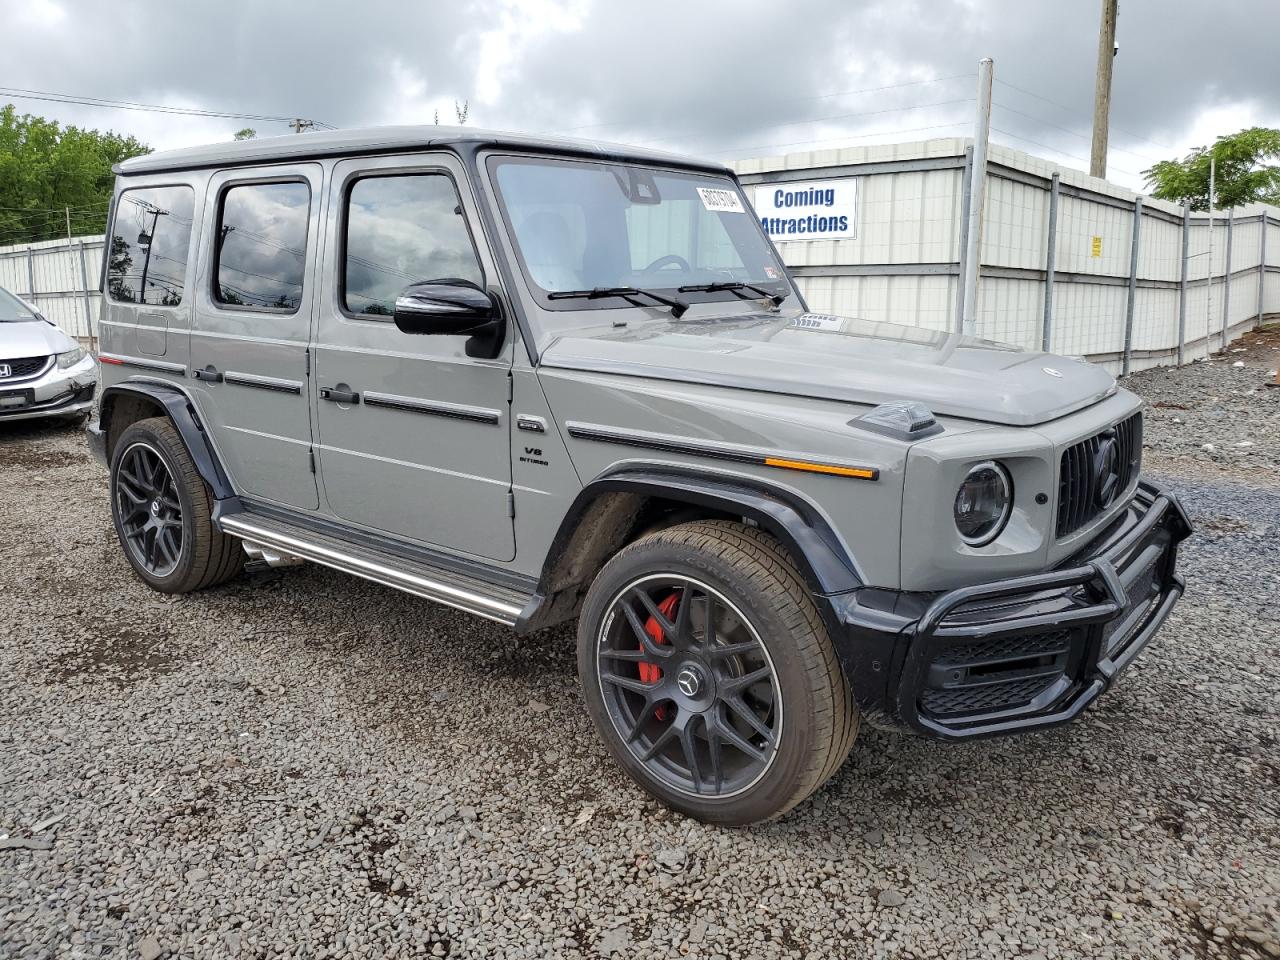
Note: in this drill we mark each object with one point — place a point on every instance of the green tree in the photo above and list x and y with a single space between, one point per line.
46 168
248 133
1241 175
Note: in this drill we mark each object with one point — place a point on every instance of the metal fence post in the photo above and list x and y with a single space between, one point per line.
31 276
88 307
977 209
1182 285
964 232
1262 270
1050 258
1226 282
1133 285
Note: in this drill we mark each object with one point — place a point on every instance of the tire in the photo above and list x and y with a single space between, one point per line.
805 718
171 506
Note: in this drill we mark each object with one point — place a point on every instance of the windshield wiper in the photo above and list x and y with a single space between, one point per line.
678 307
735 287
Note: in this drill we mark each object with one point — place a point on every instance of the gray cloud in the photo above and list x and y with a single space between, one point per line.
716 78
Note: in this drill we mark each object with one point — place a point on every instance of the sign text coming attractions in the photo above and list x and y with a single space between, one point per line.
808 210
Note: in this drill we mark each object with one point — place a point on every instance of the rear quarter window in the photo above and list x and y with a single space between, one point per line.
149 245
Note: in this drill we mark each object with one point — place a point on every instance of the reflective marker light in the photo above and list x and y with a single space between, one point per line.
903 419
983 503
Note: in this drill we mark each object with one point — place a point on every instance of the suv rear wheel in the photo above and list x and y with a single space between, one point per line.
710 676
161 510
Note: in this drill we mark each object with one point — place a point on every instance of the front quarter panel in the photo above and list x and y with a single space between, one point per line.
934 557
864 513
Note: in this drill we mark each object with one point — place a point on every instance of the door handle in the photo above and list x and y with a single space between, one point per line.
339 396
209 374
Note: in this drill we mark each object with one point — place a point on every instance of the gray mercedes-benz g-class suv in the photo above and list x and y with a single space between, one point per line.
540 379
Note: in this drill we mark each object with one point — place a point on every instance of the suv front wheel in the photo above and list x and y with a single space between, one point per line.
161 510
710 676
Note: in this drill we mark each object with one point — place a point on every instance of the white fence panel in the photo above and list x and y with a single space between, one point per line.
910 239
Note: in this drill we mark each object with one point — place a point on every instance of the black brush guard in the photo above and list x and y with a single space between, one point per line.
1018 654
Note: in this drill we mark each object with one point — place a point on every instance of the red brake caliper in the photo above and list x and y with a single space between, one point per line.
651 672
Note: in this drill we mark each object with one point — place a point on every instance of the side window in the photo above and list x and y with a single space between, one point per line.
149 246
262 245
403 230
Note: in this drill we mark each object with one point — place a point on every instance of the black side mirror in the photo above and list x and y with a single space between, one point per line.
445 308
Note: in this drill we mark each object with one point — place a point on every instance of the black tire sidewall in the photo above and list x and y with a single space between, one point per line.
773 792
143 433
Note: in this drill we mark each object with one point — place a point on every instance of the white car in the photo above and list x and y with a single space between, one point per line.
43 372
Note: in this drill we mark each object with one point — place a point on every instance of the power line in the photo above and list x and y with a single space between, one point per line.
861 136
1061 153
821 96
1073 133
74 207
22 93
841 116
1075 111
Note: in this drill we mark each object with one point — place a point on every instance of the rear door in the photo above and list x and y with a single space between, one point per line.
252 325
423 453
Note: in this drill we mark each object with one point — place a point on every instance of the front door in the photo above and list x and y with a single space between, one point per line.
250 334
412 432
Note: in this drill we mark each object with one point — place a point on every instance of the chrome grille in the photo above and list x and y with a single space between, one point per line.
1081 491
23 367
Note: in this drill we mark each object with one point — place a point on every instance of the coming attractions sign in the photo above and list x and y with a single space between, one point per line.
808 210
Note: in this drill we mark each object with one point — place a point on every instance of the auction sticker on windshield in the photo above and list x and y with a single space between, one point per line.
721 201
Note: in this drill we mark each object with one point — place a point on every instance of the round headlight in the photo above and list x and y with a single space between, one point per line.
983 503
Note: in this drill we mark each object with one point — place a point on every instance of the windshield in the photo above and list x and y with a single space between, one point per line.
13 310
586 226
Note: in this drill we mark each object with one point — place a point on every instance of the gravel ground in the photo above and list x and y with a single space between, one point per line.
319 767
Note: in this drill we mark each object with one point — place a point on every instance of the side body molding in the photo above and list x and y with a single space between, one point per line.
823 560
179 408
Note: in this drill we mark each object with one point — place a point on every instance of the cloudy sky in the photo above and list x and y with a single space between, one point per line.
715 78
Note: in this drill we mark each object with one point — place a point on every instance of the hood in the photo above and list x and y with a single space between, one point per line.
841 358
32 338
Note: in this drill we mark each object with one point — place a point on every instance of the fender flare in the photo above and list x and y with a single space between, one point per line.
180 410
823 561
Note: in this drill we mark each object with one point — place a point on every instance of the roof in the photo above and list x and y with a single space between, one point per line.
388 140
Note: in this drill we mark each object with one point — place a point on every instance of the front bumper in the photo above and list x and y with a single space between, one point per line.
1019 654
53 393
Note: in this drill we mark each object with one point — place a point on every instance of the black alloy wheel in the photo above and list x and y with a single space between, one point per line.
149 509
689 687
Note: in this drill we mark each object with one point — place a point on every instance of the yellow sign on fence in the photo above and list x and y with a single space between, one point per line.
1095 246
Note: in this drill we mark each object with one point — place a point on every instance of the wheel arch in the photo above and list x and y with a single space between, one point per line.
617 507
129 401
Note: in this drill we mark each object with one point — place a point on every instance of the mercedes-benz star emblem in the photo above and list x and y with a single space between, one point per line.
1052 372
1106 471
689 682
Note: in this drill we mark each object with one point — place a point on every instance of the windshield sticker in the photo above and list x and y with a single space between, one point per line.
771 272
721 201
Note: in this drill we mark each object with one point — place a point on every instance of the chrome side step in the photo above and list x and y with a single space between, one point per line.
266 535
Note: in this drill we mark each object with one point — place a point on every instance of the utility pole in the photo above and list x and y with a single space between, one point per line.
68 210
1102 91
156 214
300 125
977 189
